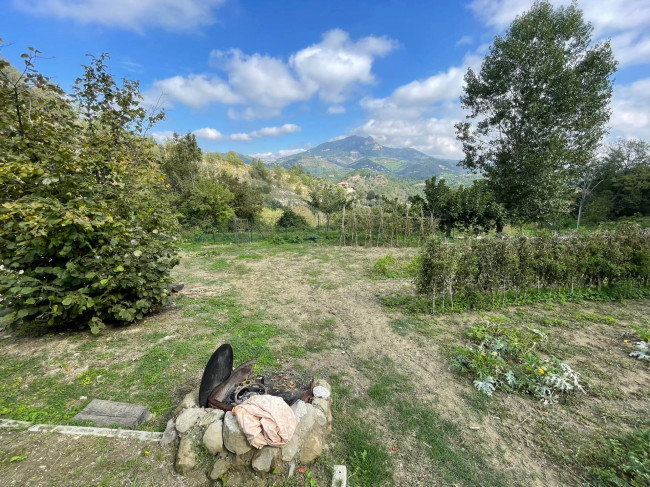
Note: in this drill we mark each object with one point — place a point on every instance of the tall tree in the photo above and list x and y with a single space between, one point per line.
538 109
328 199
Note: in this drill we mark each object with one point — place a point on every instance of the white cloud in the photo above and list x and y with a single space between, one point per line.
162 136
464 40
287 128
337 63
241 137
421 114
195 90
272 156
263 80
625 21
336 109
208 133
631 110
174 15
433 136
264 84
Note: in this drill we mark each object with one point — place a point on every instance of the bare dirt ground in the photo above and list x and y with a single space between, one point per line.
330 301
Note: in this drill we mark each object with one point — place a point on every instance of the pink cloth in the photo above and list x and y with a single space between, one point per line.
266 420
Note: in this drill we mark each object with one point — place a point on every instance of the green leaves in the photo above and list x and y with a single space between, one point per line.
538 109
84 236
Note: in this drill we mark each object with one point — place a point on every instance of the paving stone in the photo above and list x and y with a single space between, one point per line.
312 448
185 457
211 417
222 464
110 413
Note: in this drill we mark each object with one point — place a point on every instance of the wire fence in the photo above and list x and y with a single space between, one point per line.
360 227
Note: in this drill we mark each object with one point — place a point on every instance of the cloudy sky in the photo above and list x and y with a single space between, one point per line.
276 78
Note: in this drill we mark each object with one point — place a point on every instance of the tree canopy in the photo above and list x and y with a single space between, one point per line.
538 109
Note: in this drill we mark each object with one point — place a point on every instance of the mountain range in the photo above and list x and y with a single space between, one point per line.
337 157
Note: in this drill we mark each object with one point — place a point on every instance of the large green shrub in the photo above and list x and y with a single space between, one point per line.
85 230
291 219
490 269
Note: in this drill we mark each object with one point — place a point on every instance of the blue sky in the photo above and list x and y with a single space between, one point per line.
274 78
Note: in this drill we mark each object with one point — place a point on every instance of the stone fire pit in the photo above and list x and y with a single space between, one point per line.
217 435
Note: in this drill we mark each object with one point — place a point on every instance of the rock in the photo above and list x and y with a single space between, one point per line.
303 428
213 437
110 413
191 400
177 287
320 417
326 407
323 384
211 417
299 409
312 448
188 418
170 435
321 392
233 437
291 469
264 458
245 459
340 476
222 464
185 457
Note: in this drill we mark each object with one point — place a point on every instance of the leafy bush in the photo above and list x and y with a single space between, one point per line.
481 272
85 231
503 358
290 219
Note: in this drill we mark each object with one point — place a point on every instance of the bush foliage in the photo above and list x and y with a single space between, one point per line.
85 232
479 271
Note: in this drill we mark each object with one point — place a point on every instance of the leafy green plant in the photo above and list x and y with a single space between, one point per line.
504 358
86 235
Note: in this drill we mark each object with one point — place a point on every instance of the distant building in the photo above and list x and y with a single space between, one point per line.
344 184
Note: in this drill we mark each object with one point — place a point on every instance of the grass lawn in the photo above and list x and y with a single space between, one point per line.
403 414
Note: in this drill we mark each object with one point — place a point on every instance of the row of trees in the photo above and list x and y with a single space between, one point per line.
204 195
472 209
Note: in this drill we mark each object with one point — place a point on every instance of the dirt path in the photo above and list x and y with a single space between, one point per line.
302 289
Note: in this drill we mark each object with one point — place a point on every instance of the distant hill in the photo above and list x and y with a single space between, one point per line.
335 158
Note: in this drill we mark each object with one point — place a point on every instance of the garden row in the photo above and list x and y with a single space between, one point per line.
488 272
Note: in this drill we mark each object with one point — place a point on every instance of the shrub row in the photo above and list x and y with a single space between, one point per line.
492 269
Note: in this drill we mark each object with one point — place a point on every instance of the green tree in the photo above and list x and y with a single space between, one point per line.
85 229
539 108
207 204
181 161
327 199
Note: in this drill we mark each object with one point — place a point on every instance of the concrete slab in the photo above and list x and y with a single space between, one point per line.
109 413
340 477
79 431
